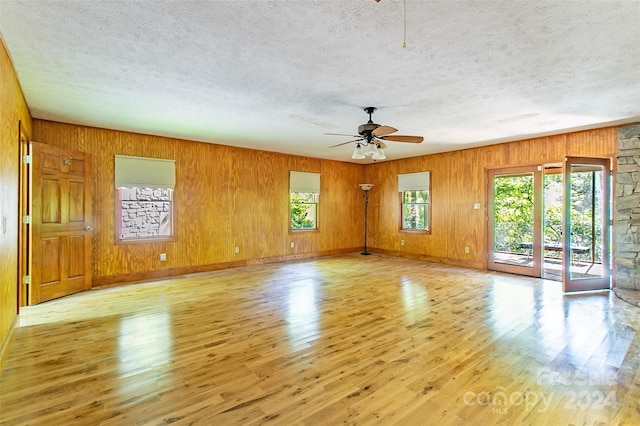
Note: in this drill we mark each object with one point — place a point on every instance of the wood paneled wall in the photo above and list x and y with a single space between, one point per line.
225 197
13 111
458 180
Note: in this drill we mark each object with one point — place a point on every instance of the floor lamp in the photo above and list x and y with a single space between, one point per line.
365 187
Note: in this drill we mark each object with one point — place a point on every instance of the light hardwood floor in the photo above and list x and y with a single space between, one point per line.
348 339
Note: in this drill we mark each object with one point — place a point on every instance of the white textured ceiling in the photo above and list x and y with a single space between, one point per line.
277 75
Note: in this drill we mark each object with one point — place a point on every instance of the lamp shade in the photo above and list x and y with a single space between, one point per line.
379 155
358 154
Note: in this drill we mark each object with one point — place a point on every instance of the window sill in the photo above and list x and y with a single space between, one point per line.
298 231
145 240
416 231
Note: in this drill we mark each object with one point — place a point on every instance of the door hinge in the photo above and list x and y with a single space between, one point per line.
26 219
26 279
27 159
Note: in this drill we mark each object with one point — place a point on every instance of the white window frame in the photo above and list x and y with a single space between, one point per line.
307 186
147 184
420 181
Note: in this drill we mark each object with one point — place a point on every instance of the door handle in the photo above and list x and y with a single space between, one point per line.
88 228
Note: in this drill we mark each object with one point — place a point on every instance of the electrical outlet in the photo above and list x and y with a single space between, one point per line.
163 257
237 250
466 249
292 244
401 242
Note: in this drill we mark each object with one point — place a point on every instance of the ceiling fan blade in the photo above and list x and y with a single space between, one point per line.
380 141
401 138
383 131
344 143
341 134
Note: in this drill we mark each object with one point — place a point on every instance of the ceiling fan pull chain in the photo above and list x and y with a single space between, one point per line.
404 13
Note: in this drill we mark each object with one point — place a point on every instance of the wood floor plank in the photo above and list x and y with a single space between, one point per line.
346 339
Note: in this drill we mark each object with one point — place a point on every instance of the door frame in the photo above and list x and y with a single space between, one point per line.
24 209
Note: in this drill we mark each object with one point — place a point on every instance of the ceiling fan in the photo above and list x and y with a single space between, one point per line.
372 136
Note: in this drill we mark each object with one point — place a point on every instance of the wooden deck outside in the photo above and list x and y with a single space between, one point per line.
552 266
350 339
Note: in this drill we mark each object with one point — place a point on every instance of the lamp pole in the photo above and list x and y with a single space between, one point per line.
365 187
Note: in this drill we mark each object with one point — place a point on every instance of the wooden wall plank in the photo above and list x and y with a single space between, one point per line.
596 143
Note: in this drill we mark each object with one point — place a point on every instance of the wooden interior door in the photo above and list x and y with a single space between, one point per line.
61 222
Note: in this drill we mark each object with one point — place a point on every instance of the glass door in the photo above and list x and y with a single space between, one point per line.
515 219
552 220
586 224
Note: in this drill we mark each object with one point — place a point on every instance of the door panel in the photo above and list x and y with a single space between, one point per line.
61 212
76 202
50 161
50 254
586 224
50 201
515 220
76 166
76 256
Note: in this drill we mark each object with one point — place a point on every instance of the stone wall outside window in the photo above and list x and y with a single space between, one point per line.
146 213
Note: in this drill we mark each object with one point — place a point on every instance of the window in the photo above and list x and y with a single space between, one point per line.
144 188
304 195
416 201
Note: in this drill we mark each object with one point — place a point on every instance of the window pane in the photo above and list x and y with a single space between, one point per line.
303 210
302 216
145 213
513 214
304 197
415 216
416 196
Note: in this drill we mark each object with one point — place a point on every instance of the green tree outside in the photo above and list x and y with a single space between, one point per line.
300 206
513 211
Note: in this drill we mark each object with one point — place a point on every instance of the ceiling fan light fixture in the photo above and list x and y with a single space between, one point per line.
372 138
379 155
358 153
371 150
